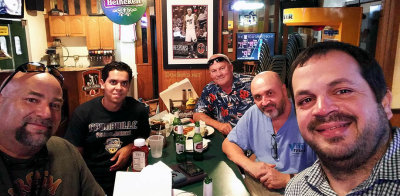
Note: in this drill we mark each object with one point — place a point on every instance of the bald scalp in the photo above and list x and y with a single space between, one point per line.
21 79
266 77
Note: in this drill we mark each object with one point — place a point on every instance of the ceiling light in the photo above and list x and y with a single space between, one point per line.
244 5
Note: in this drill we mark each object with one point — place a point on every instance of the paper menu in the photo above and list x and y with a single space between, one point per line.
174 91
152 180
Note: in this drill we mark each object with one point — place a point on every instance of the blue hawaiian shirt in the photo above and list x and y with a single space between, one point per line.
225 107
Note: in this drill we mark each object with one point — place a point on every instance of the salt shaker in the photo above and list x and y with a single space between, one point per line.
207 186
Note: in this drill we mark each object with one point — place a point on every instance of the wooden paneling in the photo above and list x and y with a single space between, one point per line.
386 47
93 33
106 33
145 82
83 7
144 69
71 7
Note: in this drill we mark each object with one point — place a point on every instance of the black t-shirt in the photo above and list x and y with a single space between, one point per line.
102 133
32 170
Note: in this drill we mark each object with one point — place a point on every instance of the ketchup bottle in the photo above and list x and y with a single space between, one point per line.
140 152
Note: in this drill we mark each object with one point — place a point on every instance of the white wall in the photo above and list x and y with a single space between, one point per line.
75 46
35 35
125 52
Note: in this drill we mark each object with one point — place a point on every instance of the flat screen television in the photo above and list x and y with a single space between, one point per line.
11 8
249 44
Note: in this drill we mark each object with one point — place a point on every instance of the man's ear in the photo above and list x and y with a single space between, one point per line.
102 84
387 103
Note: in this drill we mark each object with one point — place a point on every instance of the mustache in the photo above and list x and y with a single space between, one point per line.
36 120
270 105
332 117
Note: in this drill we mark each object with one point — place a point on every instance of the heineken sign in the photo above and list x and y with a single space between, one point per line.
124 12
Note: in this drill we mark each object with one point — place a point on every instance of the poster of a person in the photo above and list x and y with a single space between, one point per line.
189 36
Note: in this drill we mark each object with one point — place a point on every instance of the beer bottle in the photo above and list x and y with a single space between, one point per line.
197 143
180 145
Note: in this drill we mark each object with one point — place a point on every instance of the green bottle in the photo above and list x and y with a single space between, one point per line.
180 145
197 143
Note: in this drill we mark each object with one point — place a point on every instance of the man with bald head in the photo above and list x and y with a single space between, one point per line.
226 98
31 161
269 129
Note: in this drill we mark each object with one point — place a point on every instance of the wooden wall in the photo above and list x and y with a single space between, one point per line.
386 48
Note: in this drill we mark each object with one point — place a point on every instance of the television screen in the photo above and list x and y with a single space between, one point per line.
249 45
11 8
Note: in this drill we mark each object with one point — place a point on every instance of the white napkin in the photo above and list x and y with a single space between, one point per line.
153 180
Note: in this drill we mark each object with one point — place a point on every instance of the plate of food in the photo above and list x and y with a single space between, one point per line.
188 130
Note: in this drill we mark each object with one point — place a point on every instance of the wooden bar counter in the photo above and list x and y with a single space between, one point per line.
80 85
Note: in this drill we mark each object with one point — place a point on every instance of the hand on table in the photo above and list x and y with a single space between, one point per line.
122 156
274 179
258 169
224 128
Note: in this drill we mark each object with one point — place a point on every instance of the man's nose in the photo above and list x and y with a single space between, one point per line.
324 105
44 110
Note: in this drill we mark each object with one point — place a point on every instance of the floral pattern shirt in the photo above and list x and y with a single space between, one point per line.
225 107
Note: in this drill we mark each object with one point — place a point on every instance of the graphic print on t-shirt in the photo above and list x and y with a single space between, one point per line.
24 185
113 145
113 129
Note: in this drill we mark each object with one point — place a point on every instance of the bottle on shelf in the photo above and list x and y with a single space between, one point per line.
197 143
180 145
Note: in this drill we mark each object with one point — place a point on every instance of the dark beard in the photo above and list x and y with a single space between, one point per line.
24 137
367 144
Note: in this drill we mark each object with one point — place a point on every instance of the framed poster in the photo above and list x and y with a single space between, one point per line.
190 36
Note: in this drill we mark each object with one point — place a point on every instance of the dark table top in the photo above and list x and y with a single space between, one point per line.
225 175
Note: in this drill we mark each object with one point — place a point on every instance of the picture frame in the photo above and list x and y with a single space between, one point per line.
190 33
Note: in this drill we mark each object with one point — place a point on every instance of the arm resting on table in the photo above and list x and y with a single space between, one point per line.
224 128
264 172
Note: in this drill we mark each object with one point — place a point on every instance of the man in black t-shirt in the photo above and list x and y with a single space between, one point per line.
104 128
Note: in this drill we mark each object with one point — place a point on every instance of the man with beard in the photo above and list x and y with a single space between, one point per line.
269 129
343 110
31 161
105 127
226 98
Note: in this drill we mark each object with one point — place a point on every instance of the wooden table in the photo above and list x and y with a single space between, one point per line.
226 176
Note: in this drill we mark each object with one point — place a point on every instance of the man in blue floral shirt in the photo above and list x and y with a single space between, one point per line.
225 99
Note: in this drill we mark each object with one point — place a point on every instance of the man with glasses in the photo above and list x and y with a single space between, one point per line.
105 127
224 100
32 161
269 129
343 108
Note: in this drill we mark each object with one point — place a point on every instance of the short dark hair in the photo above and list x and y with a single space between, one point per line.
370 69
120 66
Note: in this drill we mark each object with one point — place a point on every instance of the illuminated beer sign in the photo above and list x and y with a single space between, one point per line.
124 12
110 3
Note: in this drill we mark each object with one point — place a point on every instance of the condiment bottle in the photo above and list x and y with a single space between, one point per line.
191 102
197 143
207 186
140 152
180 145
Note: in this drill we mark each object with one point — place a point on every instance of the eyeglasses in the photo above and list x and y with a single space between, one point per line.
35 67
218 59
274 150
